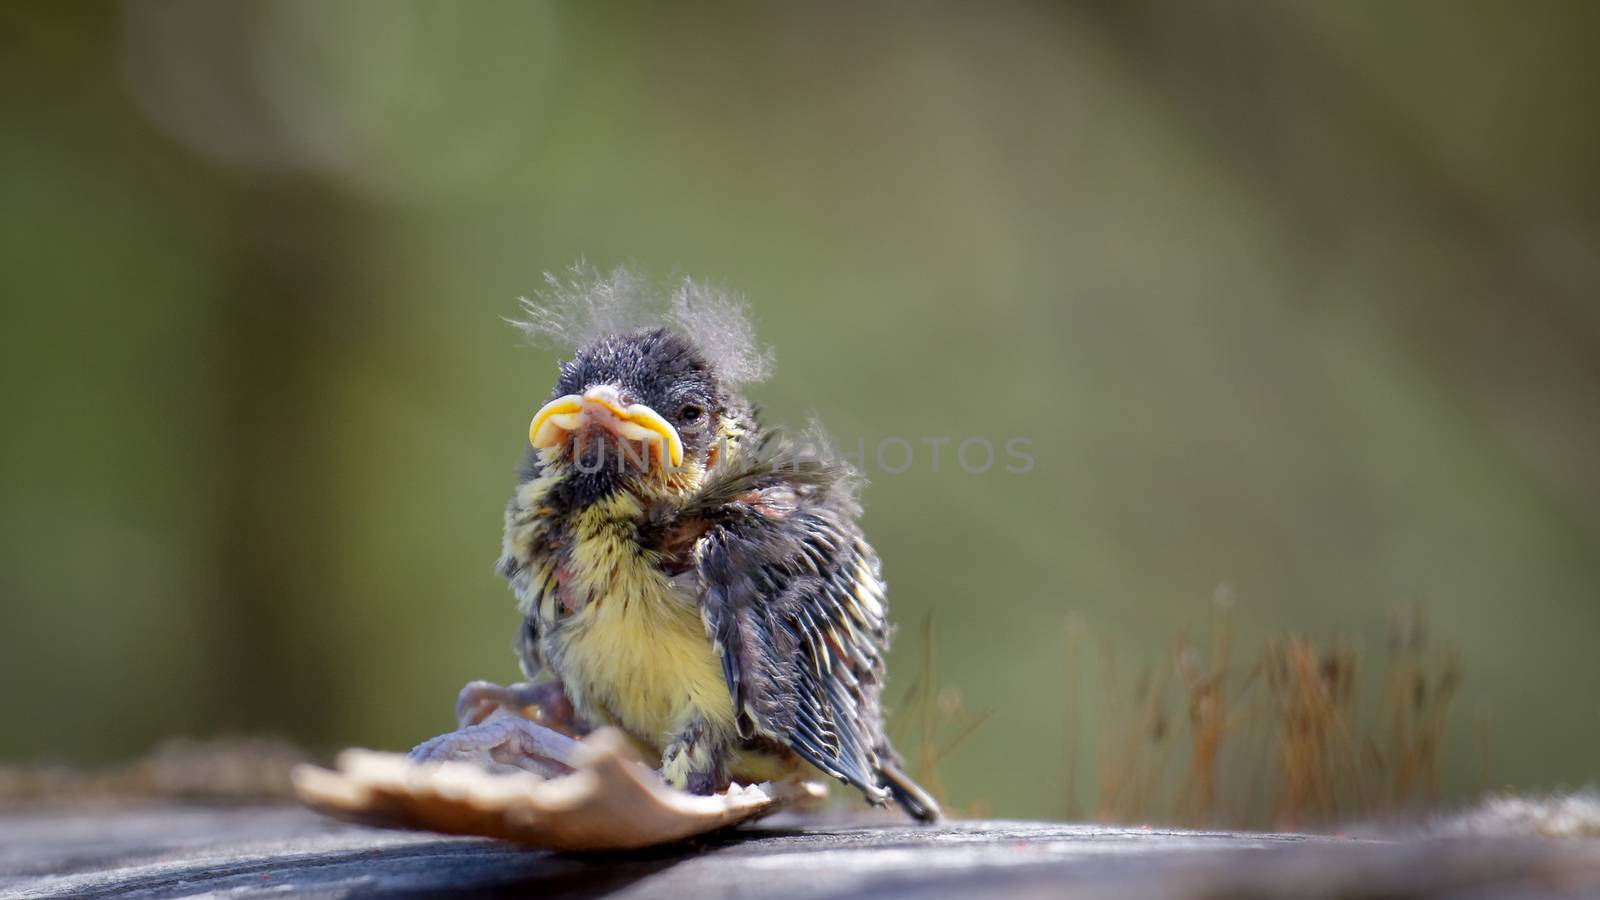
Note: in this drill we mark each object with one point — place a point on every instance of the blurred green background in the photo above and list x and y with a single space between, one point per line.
1298 298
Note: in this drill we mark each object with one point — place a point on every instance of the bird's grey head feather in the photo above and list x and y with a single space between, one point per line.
587 306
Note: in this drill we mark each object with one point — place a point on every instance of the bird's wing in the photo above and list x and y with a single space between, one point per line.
792 597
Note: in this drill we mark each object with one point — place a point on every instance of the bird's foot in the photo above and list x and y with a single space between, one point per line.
544 702
694 761
504 743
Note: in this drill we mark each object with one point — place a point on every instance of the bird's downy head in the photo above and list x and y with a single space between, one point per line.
643 411
650 409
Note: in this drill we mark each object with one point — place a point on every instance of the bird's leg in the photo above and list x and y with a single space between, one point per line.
545 702
696 760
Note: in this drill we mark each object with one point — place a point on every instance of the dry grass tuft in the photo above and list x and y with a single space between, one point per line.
1313 695
932 719
1283 741
1418 697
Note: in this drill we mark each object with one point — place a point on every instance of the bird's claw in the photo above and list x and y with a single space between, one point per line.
545 702
504 743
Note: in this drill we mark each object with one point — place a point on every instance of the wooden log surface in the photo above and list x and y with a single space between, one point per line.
290 852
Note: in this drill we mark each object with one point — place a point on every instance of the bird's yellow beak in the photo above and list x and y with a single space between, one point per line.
603 406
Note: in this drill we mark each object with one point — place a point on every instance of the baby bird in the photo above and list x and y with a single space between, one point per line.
687 577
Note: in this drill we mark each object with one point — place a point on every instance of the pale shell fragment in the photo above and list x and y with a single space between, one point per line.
609 801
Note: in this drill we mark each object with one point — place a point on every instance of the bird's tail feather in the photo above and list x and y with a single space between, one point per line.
918 803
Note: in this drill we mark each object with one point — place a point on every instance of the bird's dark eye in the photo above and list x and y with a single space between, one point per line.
690 414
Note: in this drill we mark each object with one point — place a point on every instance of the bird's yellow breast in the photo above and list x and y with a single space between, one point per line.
634 648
